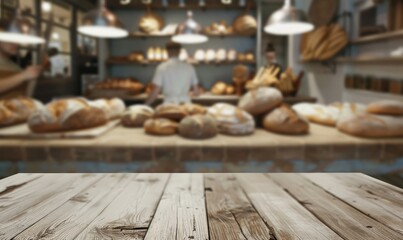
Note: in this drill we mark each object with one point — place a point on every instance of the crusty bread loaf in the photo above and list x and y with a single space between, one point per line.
349 109
113 108
66 115
232 120
245 24
386 107
136 116
193 109
260 100
198 127
285 120
160 126
219 88
317 113
372 126
17 110
170 111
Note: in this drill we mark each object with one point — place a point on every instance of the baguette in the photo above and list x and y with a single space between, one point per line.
386 107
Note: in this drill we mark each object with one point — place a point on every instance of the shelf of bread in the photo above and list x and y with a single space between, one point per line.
202 5
168 35
378 37
371 60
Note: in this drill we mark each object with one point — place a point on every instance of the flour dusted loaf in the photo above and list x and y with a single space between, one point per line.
386 107
348 110
285 120
372 126
17 110
66 115
113 108
173 112
160 126
198 127
193 109
317 113
136 116
232 120
260 100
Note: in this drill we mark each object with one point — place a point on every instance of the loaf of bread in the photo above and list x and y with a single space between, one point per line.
151 23
170 111
285 120
317 113
198 127
348 110
386 107
136 116
193 109
219 88
260 100
113 108
372 126
245 24
66 115
17 110
232 120
160 126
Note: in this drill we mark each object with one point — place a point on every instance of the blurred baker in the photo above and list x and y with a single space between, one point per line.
174 78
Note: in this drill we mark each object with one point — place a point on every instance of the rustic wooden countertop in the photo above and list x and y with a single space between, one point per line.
199 206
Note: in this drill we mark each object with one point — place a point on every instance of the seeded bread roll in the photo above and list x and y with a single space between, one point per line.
113 108
66 115
160 126
386 107
285 120
198 127
260 100
136 116
170 111
17 110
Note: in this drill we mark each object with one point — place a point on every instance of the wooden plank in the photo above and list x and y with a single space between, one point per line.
230 214
181 213
71 218
14 182
287 218
385 209
130 213
345 220
30 203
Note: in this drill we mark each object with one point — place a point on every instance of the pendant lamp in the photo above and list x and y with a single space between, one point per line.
102 23
20 30
288 21
189 32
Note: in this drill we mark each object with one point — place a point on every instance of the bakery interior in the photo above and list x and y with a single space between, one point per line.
282 86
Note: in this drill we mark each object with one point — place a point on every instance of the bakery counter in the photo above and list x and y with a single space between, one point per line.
122 150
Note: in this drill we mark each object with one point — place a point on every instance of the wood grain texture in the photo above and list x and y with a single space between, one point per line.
181 213
287 218
30 203
71 218
230 214
338 215
16 181
382 204
130 213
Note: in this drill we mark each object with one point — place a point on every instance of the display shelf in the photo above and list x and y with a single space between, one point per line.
378 37
135 5
128 62
164 35
372 60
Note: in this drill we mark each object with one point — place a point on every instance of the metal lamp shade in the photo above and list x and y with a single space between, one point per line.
102 23
20 31
288 21
189 32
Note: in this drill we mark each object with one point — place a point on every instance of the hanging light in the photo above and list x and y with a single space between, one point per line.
20 30
102 23
288 21
189 32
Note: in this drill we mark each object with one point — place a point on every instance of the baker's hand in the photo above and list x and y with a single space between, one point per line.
31 72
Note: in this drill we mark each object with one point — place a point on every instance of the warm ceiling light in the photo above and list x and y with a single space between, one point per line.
20 31
189 32
55 36
288 21
102 23
46 6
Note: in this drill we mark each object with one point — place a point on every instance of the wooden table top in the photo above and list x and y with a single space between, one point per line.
199 206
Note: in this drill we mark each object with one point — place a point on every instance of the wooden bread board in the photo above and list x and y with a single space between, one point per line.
23 131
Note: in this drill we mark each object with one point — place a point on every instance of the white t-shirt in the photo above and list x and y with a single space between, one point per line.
175 78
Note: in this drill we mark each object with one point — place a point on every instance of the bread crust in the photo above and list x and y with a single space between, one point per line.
170 111
198 127
136 116
160 126
285 120
386 107
260 100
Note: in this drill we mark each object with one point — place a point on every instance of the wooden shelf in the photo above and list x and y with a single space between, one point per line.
161 35
127 62
371 60
115 5
378 37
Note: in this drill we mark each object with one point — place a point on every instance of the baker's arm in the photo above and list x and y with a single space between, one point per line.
10 82
153 95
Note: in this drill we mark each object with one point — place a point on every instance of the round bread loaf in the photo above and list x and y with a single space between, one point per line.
194 109
151 23
198 127
160 126
17 110
113 108
232 120
317 113
170 111
260 100
386 107
136 115
219 88
66 115
372 126
286 121
245 24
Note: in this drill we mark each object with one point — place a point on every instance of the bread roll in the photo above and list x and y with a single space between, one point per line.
194 109
17 110
261 100
245 24
113 108
198 127
66 115
372 126
170 111
136 115
386 107
317 113
151 23
286 121
219 88
161 126
232 120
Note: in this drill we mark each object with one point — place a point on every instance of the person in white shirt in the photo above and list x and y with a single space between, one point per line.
174 79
